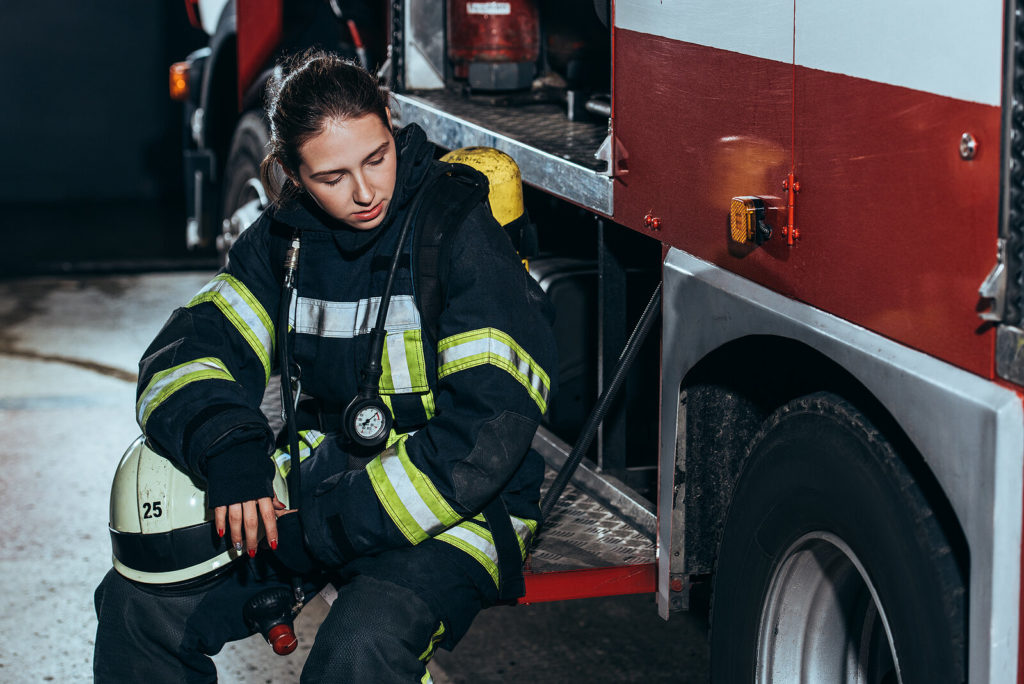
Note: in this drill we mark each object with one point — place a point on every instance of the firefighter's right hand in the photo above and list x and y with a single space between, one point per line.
243 523
239 489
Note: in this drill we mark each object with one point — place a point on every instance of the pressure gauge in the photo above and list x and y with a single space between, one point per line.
368 421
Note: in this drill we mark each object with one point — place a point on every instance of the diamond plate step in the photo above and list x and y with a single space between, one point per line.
597 522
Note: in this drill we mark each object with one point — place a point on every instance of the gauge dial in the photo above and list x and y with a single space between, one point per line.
369 422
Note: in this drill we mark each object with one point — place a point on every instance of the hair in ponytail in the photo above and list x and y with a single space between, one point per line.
305 92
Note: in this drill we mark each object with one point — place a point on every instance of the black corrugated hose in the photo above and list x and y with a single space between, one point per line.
597 414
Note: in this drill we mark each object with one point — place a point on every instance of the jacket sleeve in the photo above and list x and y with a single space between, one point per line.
202 379
496 354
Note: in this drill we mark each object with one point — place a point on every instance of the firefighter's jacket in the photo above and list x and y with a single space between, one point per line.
466 405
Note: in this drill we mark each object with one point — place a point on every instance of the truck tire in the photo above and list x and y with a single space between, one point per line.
244 196
832 565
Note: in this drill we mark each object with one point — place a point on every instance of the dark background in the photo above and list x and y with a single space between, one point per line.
92 178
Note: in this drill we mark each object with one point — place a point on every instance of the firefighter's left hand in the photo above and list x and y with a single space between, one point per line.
280 509
243 520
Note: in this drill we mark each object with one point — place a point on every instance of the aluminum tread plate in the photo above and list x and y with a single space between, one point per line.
581 534
553 153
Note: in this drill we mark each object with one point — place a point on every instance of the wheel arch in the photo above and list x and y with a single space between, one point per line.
773 370
966 432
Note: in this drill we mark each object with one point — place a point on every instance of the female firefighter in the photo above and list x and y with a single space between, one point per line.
406 531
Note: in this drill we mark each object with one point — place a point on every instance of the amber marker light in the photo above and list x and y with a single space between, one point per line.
746 220
179 81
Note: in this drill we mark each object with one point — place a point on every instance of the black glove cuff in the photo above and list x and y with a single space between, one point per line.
242 472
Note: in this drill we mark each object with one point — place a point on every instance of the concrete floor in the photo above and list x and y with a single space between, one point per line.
68 353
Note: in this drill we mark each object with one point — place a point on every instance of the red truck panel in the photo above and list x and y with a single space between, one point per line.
897 230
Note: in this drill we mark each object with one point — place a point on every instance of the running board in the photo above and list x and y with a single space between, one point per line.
598 539
544 587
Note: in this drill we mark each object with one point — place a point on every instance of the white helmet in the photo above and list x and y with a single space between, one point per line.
160 528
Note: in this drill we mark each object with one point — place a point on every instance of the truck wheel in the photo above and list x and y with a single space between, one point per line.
244 196
832 566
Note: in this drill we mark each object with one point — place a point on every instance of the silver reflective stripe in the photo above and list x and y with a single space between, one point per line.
409 496
347 319
308 440
449 358
471 538
523 531
401 378
234 300
165 383
479 539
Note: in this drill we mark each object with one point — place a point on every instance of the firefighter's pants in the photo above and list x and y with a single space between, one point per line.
390 612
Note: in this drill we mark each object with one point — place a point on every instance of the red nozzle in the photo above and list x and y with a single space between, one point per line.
282 638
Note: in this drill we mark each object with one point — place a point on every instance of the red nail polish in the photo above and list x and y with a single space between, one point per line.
220 532
252 553
273 544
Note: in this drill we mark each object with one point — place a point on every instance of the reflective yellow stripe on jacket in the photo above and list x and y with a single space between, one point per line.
244 311
492 346
165 383
471 537
308 440
409 497
404 369
434 639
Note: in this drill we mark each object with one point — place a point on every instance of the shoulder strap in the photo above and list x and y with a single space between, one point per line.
456 192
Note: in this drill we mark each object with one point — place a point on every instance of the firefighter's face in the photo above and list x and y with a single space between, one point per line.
349 170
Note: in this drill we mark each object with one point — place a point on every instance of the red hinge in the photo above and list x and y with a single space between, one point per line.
792 186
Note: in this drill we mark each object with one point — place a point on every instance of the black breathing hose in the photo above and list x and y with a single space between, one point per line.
372 370
597 414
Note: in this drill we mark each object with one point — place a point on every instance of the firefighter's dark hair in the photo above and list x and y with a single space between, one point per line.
305 92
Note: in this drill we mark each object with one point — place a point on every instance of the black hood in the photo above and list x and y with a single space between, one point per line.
415 154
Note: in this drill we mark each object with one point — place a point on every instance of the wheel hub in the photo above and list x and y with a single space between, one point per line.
822 620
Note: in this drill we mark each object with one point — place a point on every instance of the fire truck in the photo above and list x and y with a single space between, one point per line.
826 431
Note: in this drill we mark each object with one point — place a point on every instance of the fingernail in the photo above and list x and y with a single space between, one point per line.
238 546
252 553
220 532
273 544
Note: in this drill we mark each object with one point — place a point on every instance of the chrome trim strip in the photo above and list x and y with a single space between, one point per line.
540 169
